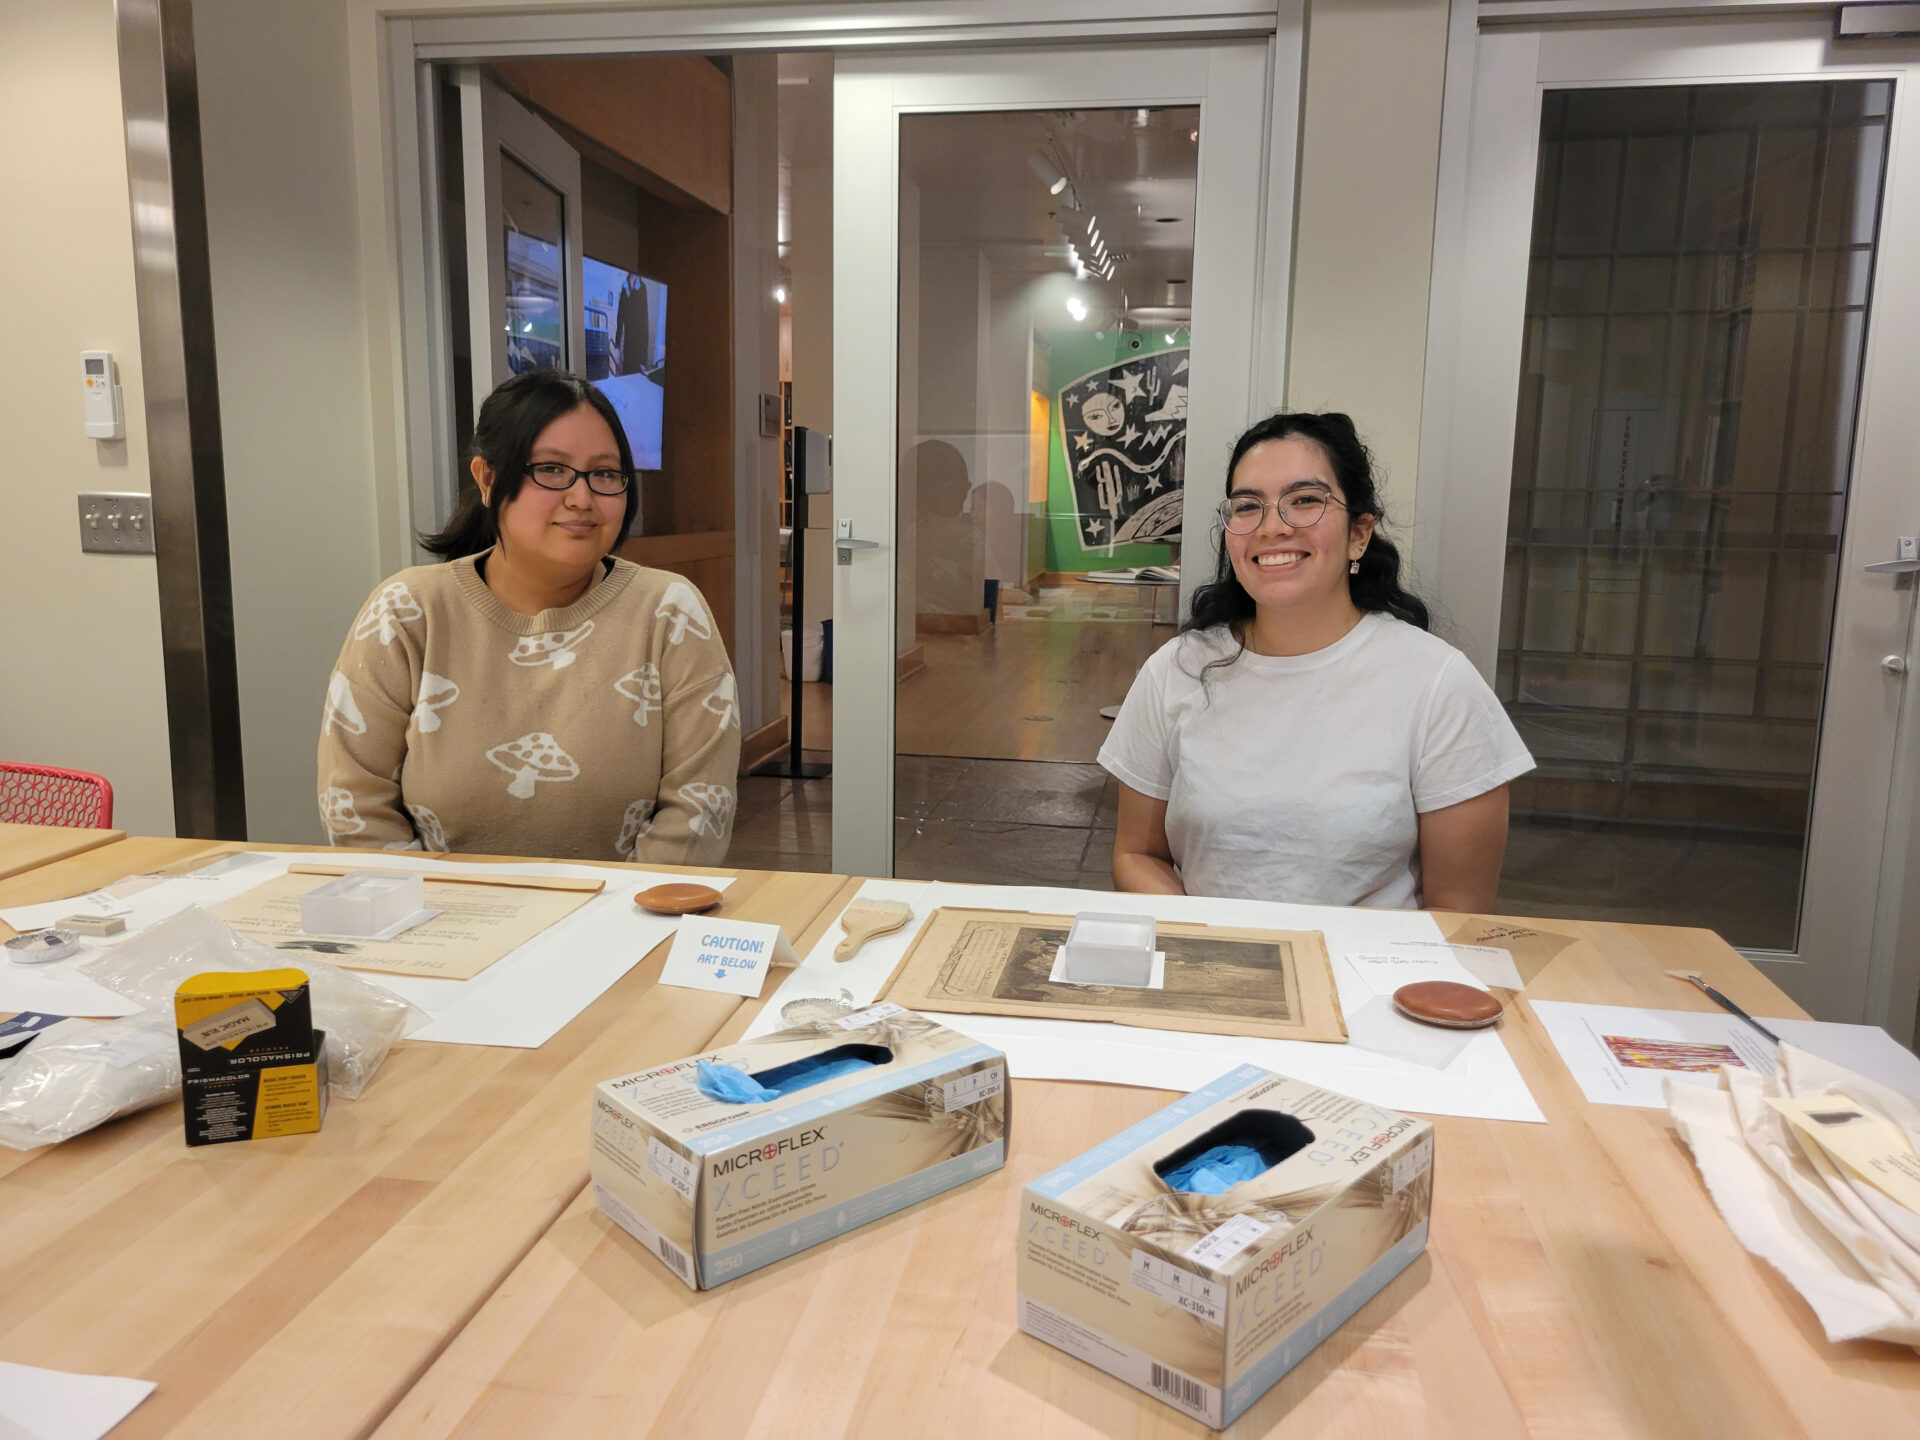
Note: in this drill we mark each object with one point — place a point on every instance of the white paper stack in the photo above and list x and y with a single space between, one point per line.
1846 1245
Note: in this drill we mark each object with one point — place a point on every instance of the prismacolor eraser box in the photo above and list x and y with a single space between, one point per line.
251 1064
1202 1253
723 1162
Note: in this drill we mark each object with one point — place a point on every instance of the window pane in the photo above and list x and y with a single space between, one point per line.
1695 323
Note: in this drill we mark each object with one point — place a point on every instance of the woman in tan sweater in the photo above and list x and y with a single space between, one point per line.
535 695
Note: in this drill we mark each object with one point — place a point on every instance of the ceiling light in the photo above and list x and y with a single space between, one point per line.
1076 307
780 294
1051 175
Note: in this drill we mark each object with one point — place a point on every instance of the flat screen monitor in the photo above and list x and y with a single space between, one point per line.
627 350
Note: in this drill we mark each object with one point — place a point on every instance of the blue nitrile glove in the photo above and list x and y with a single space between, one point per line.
730 1083
1216 1171
736 1087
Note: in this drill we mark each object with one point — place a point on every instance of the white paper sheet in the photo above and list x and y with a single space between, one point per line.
847 982
1488 965
1480 1081
37 1404
521 1000
1623 1073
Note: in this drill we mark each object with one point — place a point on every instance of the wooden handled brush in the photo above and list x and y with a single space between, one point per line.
866 919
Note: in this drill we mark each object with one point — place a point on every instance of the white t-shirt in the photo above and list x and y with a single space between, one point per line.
1301 777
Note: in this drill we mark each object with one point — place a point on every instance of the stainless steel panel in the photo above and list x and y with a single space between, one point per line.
160 97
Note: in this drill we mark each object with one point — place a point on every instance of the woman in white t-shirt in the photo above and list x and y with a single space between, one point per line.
1304 738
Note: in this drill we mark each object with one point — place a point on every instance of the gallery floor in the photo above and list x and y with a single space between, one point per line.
995 777
996 782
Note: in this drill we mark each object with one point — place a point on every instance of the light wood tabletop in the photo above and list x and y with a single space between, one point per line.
1578 1281
23 847
300 1286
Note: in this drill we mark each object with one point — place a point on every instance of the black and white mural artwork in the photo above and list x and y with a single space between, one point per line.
1125 431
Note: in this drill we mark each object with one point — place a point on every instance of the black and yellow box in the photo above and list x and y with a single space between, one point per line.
251 1064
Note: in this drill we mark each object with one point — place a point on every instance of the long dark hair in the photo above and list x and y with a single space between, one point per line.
510 420
1376 587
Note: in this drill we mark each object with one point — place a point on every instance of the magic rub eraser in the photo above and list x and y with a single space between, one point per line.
251 1064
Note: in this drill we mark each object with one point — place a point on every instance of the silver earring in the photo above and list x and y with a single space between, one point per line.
1353 567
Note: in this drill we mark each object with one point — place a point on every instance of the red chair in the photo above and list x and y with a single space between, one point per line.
45 795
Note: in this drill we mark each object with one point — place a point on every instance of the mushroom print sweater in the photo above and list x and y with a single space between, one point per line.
604 731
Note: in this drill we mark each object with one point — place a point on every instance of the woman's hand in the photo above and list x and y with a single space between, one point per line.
1142 860
1461 847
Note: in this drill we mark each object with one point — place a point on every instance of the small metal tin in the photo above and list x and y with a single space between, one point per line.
37 947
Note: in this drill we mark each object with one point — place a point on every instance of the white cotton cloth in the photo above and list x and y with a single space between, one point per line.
1850 1250
1302 777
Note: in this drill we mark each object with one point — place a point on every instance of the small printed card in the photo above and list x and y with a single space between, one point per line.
731 956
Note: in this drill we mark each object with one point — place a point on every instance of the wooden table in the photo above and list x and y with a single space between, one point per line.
300 1287
1578 1282
23 847
432 1263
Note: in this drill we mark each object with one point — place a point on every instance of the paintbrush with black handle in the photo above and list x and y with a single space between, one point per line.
1694 977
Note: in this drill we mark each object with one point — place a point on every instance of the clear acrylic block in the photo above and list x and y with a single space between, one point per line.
1109 950
362 903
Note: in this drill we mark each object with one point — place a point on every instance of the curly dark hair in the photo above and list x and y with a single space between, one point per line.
1376 587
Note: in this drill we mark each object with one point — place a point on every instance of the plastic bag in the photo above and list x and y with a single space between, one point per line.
362 1019
57 1088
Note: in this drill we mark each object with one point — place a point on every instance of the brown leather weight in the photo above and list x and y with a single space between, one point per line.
1444 1002
678 899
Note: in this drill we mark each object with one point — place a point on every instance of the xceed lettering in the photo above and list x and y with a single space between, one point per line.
613 1110
1278 1278
1297 1241
786 1161
1065 1234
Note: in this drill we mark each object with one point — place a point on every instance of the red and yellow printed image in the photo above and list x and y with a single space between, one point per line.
1695 1055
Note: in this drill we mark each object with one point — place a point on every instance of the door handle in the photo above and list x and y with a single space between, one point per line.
1906 561
844 544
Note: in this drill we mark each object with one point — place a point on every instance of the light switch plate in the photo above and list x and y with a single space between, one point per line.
115 524
769 416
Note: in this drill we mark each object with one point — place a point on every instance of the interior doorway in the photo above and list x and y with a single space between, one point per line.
689 226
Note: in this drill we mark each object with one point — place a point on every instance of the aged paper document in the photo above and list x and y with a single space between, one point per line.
1274 984
477 925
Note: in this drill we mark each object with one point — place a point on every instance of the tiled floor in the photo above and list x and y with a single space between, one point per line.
986 821
996 782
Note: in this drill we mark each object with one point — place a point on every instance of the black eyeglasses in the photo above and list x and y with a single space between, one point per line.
552 475
1244 514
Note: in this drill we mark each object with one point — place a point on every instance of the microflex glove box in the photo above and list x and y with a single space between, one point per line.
1204 1301
718 1189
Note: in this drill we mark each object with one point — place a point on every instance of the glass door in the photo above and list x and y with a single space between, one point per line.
1046 270
523 239
1691 241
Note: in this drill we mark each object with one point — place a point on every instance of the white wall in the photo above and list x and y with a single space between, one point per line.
276 138
79 634
1363 245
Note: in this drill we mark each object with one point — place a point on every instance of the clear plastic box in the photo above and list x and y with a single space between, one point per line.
362 903
1109 950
